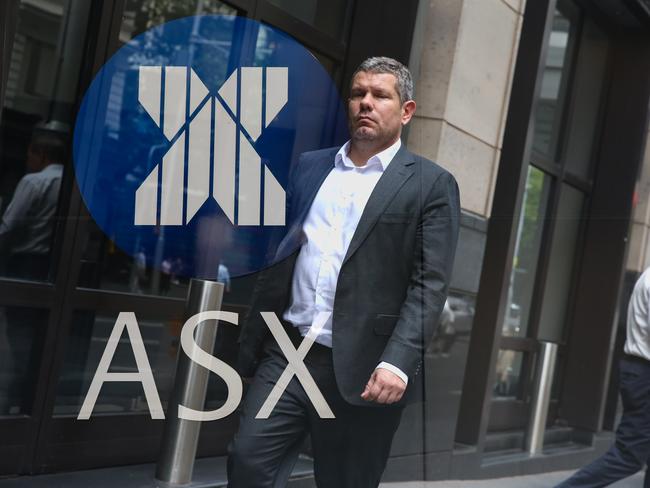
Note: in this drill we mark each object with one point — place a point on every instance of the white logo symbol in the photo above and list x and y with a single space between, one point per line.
188 112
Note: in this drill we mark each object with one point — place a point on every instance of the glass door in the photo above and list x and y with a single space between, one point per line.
553 212
62 281
43 52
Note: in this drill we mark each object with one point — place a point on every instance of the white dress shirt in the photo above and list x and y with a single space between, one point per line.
638 319
328 229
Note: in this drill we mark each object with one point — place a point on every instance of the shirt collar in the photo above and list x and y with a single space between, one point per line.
52 168
383 158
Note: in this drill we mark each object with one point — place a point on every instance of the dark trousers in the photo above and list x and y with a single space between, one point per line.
631 450
350 451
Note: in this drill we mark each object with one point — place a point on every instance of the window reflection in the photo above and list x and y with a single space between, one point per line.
549 105
455 326
557 289
88 339
21 346
105 266
139 16
27 223
35 125
508 380
325 15
529 239
590 77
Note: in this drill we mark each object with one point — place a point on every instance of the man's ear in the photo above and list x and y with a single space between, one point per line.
408 109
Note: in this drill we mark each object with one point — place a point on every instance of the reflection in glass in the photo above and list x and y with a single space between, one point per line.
549 106
455 325
85 346
563 250
529 238
35 126
208 236
105 266
27 223
589 82
325 15
88 338
507 384
141 15
21 345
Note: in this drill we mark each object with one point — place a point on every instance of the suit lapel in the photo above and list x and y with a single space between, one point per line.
313 180
399 170
307 187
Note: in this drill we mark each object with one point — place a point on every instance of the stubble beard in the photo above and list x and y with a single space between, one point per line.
364 134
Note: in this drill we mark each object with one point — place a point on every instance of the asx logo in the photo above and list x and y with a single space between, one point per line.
295 367
211 153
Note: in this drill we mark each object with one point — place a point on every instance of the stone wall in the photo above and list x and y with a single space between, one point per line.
466 61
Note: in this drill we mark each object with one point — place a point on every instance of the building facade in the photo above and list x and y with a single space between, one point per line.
538 108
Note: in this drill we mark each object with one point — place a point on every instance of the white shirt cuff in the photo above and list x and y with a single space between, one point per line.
394 369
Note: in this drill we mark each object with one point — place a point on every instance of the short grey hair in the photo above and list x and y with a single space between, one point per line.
382 64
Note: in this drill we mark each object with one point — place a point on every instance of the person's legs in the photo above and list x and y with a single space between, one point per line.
612 466
631 449
351 450
264 451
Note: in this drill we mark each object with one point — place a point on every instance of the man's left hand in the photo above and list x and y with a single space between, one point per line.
384 387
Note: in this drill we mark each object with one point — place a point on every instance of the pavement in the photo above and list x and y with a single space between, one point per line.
545 480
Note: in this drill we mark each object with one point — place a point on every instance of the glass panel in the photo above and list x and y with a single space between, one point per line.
306 123
529 239
141 15
86 344
452 335
329 65
105 266
444 368
21 347
35 125
589 81
325 15
312 122
549 106
508 382
563 251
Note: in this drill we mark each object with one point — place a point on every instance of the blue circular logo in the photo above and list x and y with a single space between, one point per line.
185 138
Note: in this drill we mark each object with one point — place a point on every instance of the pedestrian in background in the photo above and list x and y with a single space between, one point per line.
631 449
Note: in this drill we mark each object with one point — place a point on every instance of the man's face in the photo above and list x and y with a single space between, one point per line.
375 112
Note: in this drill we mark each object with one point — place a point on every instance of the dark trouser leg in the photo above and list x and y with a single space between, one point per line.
631 449
351 450
264 451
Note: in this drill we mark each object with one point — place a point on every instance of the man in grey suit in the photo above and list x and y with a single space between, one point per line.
374 228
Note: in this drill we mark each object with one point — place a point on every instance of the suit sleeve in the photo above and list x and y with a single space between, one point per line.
436 239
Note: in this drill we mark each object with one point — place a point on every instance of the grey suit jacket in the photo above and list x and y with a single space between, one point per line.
393 281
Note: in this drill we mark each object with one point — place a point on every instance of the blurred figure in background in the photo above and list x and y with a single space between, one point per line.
27 225
631 449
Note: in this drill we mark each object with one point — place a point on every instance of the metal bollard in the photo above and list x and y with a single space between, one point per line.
541 398
181 437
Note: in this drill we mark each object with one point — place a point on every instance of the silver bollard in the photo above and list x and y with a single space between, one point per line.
541 398
181 437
